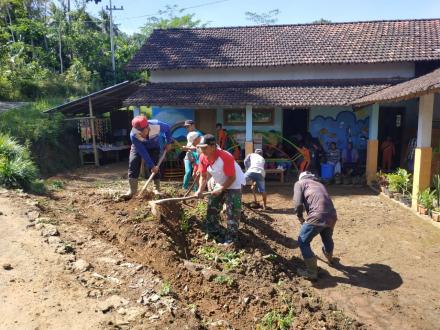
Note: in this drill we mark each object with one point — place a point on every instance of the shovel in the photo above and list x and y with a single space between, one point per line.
153 204
152 174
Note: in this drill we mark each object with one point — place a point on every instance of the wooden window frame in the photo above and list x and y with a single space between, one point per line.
242 112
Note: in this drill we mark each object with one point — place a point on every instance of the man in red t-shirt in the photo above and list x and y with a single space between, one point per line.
227 178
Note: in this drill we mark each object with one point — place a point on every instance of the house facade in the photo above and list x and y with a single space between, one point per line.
292 79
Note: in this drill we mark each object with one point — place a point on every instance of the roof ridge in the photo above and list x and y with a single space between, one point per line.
300 24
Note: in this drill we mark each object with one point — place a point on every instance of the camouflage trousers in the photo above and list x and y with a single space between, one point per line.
232 199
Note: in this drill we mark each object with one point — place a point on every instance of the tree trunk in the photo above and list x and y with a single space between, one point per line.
60 50
10 23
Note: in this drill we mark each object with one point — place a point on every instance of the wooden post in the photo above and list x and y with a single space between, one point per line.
92 126
373 144
248 144
423 152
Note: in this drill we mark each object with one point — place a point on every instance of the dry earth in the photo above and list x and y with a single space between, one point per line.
114 266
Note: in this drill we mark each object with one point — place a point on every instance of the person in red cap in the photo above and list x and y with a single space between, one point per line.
145 144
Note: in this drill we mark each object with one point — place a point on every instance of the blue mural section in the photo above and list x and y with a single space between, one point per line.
345 128
172 116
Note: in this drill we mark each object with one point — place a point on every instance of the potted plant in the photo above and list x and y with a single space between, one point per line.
382 181
426 201
405 185
435 213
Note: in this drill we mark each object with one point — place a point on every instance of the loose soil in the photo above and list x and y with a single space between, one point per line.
171 276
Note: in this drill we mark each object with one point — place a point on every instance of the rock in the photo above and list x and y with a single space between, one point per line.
154 297
112 303
32 215
139 267
220 324
154 317
49 230
53 240
193 267
1 213
65 249
81 266
246 300
7 267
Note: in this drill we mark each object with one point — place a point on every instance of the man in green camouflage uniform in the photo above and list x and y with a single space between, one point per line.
225 186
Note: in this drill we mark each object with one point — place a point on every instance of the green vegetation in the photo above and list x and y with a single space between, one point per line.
400 181
166 289
426 198
224 279
275 320
229 259
49 49
17 170
192 213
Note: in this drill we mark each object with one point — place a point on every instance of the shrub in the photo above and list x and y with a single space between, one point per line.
426 198
17 170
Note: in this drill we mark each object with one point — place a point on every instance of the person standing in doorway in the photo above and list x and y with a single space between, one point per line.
188 160
254 164
221 136
311 195
145 138
388 151
227 179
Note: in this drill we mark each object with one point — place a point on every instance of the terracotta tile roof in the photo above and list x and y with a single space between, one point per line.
357 42
294 93
429 83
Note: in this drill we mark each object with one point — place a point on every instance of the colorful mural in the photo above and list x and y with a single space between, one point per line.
172 116
346 127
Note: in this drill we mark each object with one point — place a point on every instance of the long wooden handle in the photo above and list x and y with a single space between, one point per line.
178 199
192 185
153 174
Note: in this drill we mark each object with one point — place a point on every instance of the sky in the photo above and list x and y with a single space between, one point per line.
232 12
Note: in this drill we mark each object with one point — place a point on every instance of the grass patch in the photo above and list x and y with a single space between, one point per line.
275 320
229 259
56 184
224 279
198 211
166 289
17 170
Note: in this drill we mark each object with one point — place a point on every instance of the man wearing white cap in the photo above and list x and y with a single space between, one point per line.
254 164
189 148
311 195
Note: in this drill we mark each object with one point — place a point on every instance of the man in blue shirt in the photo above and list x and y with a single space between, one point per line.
145 138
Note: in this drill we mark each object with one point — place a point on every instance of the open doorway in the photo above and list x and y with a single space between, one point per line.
391 124
295 121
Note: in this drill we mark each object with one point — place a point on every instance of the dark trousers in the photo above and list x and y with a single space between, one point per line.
135 161
306 235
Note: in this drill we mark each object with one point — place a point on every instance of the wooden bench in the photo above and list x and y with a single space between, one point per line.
276 171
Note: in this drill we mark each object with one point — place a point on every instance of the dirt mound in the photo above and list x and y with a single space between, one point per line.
254 284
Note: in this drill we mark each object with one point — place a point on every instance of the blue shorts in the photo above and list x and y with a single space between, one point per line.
258 179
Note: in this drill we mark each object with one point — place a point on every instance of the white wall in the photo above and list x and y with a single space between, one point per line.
336 71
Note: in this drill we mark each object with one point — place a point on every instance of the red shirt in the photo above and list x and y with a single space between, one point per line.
228 162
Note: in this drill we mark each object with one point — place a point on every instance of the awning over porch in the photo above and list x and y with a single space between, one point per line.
429 83
105 100
292 93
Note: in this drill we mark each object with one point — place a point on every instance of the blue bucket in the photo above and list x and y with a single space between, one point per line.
327 171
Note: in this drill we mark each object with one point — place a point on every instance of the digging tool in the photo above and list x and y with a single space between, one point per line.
153 204
192 185
152 174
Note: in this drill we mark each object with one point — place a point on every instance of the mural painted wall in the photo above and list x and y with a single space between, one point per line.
340 125
172 116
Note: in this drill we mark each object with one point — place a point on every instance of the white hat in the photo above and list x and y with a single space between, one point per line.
303 174
191 137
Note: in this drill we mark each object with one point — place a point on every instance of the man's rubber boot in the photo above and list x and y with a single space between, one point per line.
328 256
132 190
156 189
311 271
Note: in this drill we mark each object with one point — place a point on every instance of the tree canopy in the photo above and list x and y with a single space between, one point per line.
48 50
